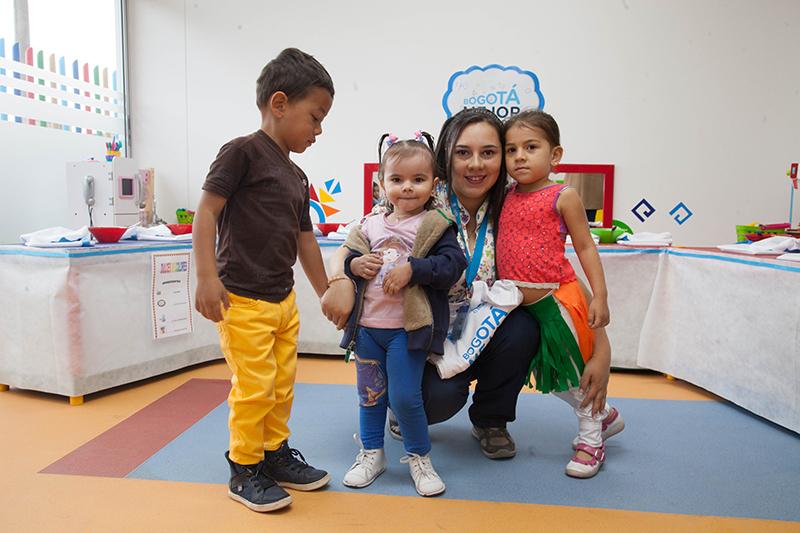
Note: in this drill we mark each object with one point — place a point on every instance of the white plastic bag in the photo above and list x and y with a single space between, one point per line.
487 310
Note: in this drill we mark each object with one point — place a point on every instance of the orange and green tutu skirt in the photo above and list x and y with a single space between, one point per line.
566 340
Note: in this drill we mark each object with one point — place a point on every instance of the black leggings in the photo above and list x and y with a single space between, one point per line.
500 371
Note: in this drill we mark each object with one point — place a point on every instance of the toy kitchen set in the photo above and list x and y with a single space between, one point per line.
109 193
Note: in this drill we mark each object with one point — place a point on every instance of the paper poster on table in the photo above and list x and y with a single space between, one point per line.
171 295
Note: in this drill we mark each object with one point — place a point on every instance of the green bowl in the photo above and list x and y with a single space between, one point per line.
607 235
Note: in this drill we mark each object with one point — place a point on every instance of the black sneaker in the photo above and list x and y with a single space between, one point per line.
253 489
289 469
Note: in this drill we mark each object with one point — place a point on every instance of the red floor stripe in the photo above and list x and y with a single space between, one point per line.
118 451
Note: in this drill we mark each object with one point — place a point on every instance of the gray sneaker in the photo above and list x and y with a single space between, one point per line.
496 443
394 426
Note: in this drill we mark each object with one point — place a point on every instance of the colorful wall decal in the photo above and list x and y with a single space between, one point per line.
643 210
320 203
681 213
51 83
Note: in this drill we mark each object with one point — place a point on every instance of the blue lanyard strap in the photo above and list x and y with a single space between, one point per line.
474 260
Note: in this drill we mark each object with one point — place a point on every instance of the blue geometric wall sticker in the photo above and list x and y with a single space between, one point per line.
329 185
643 210
683 213
337 188
318 208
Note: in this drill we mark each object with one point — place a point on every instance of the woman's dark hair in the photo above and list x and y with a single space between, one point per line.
293 72
407 148
451 131
533 118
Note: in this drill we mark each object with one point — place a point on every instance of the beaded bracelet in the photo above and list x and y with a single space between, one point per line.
340 278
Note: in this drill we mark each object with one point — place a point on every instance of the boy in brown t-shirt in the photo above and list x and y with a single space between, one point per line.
258 202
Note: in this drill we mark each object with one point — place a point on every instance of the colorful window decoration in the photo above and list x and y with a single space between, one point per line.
39 89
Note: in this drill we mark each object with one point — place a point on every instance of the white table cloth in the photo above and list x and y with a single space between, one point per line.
78 320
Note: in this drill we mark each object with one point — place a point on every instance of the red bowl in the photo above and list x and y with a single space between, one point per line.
107 233
180 229
328 228
754 237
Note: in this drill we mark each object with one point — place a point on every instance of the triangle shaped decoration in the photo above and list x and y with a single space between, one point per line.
329 210
312 193
324 196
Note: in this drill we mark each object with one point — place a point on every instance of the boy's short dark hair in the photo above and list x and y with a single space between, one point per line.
294 73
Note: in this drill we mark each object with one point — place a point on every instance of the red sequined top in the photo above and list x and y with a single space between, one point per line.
530 240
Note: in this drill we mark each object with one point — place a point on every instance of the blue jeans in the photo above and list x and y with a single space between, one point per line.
388 373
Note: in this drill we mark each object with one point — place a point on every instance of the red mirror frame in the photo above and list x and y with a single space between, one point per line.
369 171
608 185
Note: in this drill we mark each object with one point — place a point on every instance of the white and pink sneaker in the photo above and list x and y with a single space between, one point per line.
585 468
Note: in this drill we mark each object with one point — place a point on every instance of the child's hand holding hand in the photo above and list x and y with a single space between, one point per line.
366 266
397 278
599 314
210 297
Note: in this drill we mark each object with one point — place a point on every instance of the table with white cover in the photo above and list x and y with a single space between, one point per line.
76 321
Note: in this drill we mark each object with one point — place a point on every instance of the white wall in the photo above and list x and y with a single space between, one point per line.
692 101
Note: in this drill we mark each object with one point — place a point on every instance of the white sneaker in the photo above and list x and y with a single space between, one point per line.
586 468
368 466
426 480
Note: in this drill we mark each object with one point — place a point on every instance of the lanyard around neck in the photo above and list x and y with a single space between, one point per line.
474 259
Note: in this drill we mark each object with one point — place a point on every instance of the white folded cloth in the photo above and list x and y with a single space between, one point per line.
790 257
595 238
57 237
337 235
645 238
770 245
155 233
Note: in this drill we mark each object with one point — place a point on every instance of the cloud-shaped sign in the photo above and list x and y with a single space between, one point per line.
503 90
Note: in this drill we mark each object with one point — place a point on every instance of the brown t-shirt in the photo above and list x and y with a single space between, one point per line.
267 206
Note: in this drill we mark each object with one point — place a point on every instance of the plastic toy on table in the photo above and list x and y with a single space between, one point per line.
185 216
610 235
180 229
760 231
113 149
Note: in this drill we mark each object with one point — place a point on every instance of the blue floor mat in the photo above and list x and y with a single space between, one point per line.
683 457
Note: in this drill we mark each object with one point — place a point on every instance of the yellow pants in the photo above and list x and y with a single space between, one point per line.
259 341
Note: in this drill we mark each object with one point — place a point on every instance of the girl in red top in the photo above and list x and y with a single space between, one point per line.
537 216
